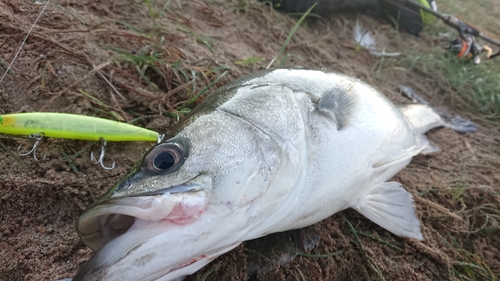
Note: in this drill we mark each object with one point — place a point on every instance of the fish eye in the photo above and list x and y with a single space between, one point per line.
163 158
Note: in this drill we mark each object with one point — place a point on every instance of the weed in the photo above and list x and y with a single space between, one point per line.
113 113
193 99
202 39
69 13
5 65
290 35
468 266
245 8
151 8
69 160
136 30
250 61
476 86
365 255
383 241
42 75
320 256
14 155
206 274
473 86
146 58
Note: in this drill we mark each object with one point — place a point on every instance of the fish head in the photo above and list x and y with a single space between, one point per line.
191 198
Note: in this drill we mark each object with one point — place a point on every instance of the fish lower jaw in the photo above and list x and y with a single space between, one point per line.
106 222
191 266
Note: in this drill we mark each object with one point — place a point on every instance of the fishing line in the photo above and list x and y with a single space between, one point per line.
24 41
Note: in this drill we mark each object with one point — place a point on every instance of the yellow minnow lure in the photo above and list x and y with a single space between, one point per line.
72 126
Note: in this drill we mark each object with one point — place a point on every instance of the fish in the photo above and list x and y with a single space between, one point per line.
273 151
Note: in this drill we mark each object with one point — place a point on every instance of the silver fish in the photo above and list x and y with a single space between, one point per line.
277 150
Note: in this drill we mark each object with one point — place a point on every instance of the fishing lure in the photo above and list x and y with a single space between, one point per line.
73 126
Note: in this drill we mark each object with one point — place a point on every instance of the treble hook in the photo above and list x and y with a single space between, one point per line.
101 157
160 138
38 138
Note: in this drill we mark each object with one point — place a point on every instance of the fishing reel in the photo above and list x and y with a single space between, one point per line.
465 47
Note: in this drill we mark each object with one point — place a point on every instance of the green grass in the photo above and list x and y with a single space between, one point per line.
202 39
153 65
467 265
280 58
479 209
383 241
6 65
475 88
14 156
197 96
148 57
372 264
68 159
250 61
320 256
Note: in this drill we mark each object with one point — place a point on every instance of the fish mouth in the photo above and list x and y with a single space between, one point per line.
178 205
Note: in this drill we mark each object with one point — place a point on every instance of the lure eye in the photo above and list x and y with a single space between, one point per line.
163 158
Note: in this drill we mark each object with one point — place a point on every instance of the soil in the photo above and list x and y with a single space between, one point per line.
75 49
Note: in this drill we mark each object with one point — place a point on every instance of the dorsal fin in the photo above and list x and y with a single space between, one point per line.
338 103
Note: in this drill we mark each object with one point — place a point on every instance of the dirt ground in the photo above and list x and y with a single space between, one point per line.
87 46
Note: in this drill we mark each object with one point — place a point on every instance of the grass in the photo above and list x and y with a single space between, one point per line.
250 61
475 87
478 85
154 65
197 96
74 15
68 159
481 213
373 265
280 56
202 39
320 256
14 155
206 274
468 266
43 74
147 58
6 65
475 204
381 240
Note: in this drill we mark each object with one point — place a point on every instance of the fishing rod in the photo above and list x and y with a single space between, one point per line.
467 33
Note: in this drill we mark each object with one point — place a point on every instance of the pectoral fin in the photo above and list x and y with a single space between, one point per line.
391 206
338 104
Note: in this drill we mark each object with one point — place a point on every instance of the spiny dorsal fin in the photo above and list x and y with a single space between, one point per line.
338 103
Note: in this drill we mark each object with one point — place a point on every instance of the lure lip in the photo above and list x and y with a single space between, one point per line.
110 219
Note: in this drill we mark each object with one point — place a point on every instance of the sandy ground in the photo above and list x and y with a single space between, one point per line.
75 48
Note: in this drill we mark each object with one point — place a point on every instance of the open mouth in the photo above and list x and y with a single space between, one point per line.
176 205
